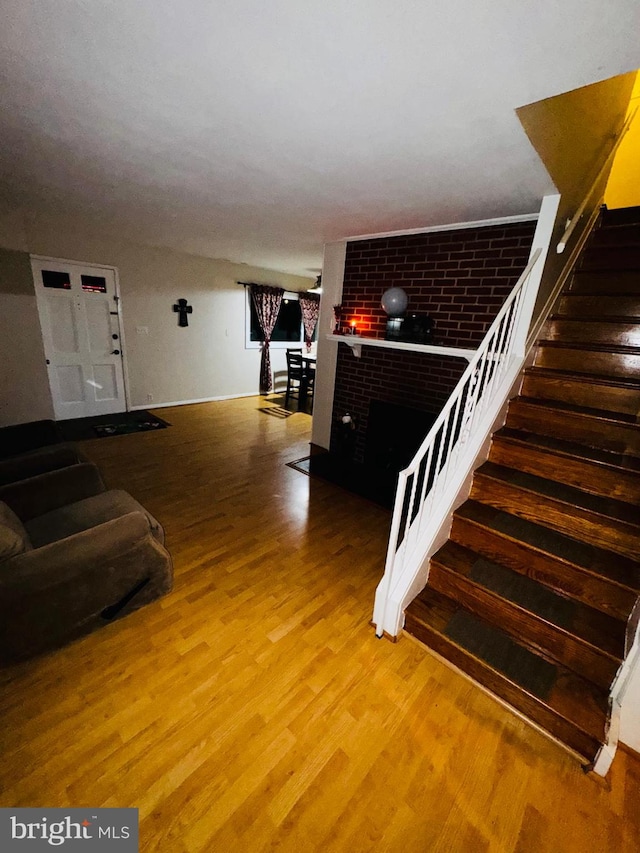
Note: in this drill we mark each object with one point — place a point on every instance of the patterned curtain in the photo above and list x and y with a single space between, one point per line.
267 304
310 307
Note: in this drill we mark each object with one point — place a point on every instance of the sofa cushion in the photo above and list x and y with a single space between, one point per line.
13 537
85 514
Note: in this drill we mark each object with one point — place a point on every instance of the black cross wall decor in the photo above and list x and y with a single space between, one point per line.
183 309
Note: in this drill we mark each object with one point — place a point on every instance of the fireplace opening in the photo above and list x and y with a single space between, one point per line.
394 434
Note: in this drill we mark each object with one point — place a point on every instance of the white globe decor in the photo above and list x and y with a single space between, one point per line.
395 301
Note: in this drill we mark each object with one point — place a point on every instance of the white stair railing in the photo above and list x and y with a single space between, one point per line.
429 485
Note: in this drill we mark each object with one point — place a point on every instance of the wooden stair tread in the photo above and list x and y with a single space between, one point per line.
533 599
610 362
609 524
606 330
578 357
584 556
605 507
603 415
589 473
626 383
604 319
613 239
619 395
604 281
585 346
586 426
565 704
610 257
627 234
617 307
570 449
620 216
572 568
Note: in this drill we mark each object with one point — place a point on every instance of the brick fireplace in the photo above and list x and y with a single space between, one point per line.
460 278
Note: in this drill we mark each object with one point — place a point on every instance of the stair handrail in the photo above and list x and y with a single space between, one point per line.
573 222
430 471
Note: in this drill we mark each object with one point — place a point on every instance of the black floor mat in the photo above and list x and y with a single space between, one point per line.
502 653
102 426
524 591
375 485
549 540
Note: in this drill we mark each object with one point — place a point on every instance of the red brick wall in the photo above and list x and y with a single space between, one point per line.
460 278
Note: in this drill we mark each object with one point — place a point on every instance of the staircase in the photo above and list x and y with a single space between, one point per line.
532 593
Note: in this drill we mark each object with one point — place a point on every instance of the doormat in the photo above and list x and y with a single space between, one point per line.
276 411
103 426
150 422
303 465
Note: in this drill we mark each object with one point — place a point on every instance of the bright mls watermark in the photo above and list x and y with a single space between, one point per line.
26 830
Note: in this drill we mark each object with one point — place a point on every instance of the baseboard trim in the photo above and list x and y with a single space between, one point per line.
629 750
152 405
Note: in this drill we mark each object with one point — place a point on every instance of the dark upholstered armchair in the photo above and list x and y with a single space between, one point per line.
73 556
21 438
39 461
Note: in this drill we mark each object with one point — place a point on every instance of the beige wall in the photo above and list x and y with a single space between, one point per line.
13 234
24 386
623 187
573 134
168 363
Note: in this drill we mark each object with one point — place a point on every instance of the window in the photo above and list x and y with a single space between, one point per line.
56 280
288 329
94 284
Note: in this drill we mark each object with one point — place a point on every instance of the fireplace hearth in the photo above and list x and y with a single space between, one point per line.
393 434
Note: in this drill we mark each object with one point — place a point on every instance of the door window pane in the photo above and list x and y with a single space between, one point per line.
94 284
57 280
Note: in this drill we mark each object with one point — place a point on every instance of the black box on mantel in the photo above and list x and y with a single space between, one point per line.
413 329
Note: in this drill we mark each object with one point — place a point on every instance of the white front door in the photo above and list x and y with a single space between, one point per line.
79 315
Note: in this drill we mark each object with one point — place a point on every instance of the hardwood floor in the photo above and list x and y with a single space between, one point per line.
252 709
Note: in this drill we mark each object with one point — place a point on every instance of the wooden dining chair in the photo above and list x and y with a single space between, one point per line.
310 378
295 374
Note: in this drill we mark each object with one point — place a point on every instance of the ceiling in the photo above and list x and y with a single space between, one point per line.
257 131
